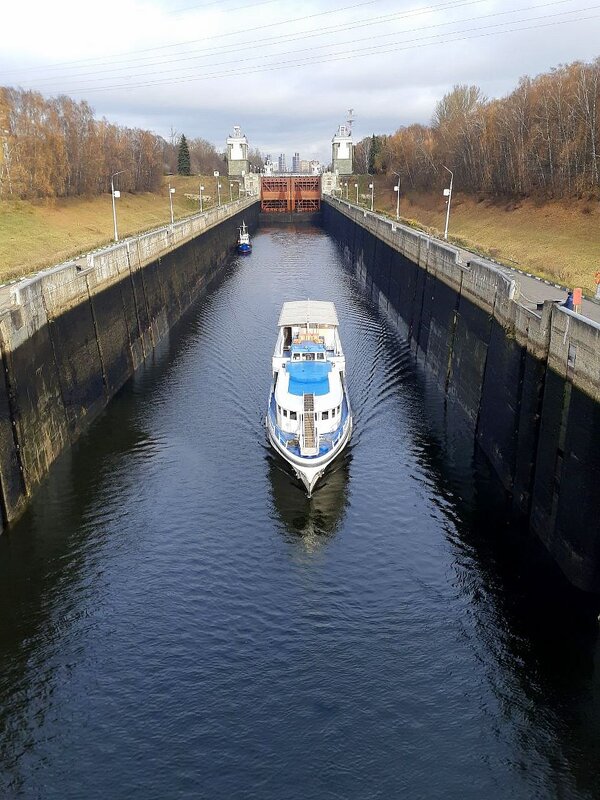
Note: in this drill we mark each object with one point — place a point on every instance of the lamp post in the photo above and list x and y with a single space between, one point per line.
114 196
171 193
372 188
201 190
230 192
397 190
448 194
346 190
216 175
356 187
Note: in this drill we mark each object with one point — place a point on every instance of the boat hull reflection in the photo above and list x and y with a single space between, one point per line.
312 519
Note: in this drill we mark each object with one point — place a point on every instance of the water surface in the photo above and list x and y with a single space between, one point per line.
179 620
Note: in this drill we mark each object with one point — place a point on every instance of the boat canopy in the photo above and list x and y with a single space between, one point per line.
308 312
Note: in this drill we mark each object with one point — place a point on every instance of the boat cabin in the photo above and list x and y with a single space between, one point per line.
308 332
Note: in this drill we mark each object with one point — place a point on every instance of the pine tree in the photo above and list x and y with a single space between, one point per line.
183 157
373 154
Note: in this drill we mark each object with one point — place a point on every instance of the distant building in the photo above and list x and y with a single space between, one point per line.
237 153
305 166
296 163
282 164
315 168
270 167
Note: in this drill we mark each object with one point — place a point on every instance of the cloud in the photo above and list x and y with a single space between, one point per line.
285 73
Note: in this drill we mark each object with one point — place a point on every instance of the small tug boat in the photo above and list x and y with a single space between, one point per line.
244 245
309 420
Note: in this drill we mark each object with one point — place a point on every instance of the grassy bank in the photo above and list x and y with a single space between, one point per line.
37 235
558 240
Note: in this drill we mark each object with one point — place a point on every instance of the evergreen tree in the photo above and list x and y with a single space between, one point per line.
183 157
373 154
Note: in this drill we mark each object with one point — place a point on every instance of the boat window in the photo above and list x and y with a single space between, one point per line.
333 410
320 356
285 412
296 356
325 415
309 356
293 415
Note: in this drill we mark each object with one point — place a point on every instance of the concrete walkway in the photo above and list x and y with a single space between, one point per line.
533 290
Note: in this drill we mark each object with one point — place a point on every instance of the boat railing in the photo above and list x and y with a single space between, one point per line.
290 440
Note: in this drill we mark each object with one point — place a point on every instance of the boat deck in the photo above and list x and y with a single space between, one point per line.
327 441
308 377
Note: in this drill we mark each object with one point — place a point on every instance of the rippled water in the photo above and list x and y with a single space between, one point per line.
179 620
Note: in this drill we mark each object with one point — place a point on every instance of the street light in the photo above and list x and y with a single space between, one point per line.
219 192
201 190
397 190
448 194
346 182
372 188
356 187
230 192
115 195
171 193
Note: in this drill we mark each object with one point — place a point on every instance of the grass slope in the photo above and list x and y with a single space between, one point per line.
37 235
558 240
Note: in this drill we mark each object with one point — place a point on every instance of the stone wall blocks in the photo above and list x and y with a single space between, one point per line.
528 380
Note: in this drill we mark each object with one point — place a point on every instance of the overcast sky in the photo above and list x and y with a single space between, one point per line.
286 72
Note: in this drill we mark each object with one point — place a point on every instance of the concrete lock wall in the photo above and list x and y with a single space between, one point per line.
527 382
72 335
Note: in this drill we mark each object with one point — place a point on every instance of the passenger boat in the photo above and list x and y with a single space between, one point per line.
244 245
309 420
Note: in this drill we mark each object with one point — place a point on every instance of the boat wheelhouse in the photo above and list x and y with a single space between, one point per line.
309 419
244 245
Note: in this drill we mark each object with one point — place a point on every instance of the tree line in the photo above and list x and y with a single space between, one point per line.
541 139
55 147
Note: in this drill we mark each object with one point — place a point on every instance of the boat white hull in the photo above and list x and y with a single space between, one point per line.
309 470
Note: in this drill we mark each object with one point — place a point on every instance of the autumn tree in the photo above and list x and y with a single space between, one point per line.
362 156
56 148
543 138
